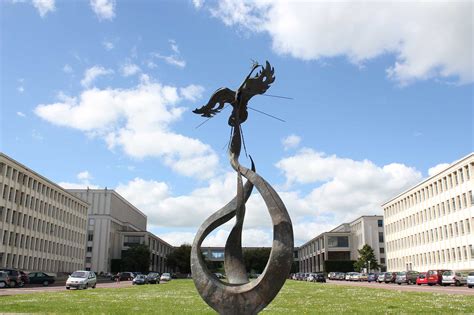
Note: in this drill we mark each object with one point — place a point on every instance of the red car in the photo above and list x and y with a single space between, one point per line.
435 276
422 279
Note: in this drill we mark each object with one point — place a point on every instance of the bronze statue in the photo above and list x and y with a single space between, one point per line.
239 296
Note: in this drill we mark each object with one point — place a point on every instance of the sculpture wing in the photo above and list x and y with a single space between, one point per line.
216 102
258 84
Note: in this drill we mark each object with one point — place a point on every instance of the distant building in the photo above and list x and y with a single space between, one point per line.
113 225
430 226
42 226
342 244
159 249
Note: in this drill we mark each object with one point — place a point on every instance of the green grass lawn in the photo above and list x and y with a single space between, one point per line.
180 297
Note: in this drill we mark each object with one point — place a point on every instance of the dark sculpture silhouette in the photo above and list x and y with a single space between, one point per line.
239 296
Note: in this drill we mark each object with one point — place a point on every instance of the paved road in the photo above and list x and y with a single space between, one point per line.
405 287
38 289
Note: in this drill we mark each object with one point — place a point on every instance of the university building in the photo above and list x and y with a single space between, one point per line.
114 225
430 226
342 243
42 226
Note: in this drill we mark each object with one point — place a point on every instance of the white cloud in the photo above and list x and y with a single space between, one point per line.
84 178
20 89
198 3
94 72
104 9
347 188
428 39
174 46
173 59
108 45
134 119
129 69
67 69
438 168
21 114
44 6
291 142
35 134
192 92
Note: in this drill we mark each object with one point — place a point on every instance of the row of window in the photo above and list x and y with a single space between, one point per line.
437 211
34 224
43 207
433 235
455 254
18 240
37 263
437 187
33 184
160 247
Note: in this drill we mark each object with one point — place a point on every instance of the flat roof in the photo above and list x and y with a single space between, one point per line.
453 164
106 190
50 182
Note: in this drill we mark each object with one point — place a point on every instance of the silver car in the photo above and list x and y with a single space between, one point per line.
470 279
81 279
453 277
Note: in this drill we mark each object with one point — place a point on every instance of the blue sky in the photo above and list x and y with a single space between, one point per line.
100 93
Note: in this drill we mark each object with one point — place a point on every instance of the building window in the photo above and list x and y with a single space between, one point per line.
382 260
382 250
380 237
89 249
380 223
338 241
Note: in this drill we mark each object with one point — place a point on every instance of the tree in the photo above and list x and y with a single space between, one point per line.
136 258
256 259
180 259
366 259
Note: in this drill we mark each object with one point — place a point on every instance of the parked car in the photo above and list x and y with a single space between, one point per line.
123 276
470 279
341 275
319 277
140 279
153 277
41 278
349 276
390 277
17 277
381 277
219 275
435 276
4 279
363 277
372 277
81 279
165 277
422 278
454 277
332 275
355 276
408 277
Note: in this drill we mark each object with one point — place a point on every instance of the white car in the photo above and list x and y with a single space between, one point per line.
470 279
81 279
165 277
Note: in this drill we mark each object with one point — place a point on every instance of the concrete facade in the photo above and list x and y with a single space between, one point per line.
430 226
342 244
109 214
42 226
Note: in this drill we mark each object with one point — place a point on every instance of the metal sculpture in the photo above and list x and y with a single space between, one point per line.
239 295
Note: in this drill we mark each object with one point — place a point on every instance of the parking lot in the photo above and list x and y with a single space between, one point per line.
404 287
38 288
